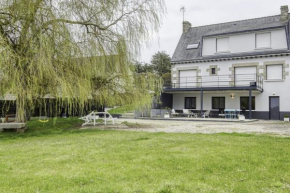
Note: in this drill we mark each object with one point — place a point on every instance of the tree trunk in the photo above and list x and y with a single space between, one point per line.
20 110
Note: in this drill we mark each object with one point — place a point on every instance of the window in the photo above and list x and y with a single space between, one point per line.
222 45
275 72
190 103
244 103
263 40
213 71
192 46
218 102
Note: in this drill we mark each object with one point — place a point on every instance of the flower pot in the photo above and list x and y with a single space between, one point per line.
286 119
166 116
241 117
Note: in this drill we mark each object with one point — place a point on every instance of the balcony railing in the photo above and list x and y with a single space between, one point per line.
218 81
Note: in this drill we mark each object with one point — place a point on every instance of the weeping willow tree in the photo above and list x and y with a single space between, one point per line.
76 51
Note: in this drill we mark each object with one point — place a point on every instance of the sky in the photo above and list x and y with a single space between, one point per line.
204 12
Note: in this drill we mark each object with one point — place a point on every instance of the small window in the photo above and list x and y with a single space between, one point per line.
244 103
275 72
190 103
222 45
213 71
192 46
263 40
218 102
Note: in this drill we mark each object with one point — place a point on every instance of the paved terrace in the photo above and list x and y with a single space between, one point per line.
260 127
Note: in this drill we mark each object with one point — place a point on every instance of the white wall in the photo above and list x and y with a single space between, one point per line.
271 88
245 42
178 99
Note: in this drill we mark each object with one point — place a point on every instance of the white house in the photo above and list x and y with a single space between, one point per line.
223 66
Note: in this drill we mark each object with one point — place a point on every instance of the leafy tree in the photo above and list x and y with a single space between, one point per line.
161 63
76 51
143 68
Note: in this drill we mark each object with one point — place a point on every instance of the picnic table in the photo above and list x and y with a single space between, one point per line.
94 116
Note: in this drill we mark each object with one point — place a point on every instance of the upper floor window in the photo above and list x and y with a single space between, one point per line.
222 45
263 40
275 72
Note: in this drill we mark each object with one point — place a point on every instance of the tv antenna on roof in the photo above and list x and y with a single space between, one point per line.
183 9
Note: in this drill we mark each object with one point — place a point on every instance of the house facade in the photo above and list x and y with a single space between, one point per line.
235 65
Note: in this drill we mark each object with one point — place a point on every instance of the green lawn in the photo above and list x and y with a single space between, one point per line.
62 158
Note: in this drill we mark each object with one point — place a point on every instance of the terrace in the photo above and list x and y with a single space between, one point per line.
241 82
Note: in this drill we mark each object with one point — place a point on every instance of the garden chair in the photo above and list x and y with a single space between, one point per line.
187 113
206 114
173 113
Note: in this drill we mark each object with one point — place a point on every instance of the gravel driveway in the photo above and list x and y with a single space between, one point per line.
262 127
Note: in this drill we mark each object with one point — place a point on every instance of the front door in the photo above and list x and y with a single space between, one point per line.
274 108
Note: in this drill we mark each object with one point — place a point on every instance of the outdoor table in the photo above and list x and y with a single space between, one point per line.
232 113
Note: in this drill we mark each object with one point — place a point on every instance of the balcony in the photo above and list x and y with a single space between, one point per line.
218 82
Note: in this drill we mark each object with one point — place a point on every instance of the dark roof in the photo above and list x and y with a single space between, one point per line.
196 34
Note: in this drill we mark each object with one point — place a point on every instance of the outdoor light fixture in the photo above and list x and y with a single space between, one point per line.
232 96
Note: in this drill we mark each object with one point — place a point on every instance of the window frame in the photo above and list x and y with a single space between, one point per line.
256 43
282 78
185 107
224 51
253 103
212 99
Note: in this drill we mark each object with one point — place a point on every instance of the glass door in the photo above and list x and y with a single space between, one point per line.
274 108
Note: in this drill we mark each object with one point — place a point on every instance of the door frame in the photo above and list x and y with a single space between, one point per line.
270 106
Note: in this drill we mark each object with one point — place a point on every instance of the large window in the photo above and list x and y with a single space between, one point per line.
244 103
190 103
275 72
222 45
263 40
218 102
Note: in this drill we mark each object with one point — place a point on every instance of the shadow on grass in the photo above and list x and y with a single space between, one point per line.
55 126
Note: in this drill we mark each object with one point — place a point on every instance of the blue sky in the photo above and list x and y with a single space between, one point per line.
205 12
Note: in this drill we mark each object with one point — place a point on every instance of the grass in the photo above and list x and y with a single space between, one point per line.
58 157
122 109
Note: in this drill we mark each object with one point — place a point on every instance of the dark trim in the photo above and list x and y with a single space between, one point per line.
211 89
270 106
201 101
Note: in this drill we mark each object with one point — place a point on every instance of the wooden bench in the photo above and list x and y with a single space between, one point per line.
10 118
18 127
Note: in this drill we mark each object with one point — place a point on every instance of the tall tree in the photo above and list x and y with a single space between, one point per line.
161 63
143 68
75 51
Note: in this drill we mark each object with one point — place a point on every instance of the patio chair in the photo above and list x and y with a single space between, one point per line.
187 112
221 113
173 113
206 114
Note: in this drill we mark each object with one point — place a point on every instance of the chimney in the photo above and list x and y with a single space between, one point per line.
186 26
284 13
